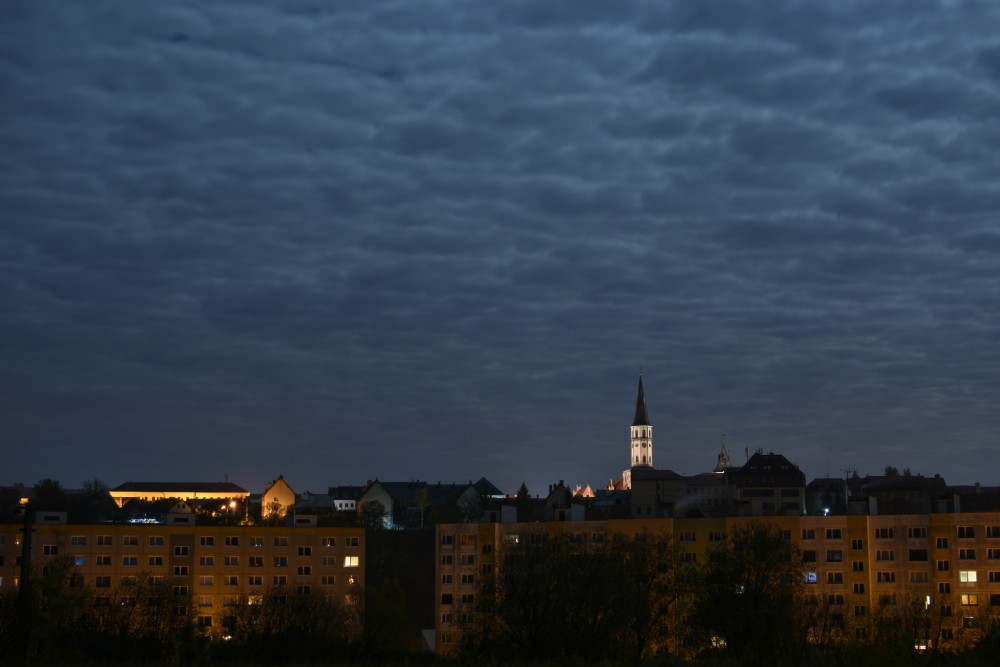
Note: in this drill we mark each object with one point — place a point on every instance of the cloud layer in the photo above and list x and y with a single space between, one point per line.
436 240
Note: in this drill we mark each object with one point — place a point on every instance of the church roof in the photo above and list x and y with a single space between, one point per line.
181 487
641 416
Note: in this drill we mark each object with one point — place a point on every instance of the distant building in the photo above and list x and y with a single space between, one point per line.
188 491
277 500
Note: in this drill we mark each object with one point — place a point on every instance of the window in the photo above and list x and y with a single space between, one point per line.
687 557
944 587
887 599
918 554
50 550
255 580
993 554
447 540
488 549
279 580
943 565
994 577
355 542
351 561
182 551
329 561
467 541
78 561
155 580
966 554
785 535
919 577
859 610
205 621
447 598
281 541
969 599
885 554
130 561
130 541
883 533
835 599
304 570
468 559
992 531
468 598
104 540
468 578
687 536
305 551
809 556
206 561
916 532
716 536
834 534
256 541
995 599
857 545
858 566
207 541
447 579
78 541
835 556
229 601
329 542
946 610
206 580
232 561
447 559
129 581
886 577
834 577
967 576
180 570
232 540
808 534
946 633
966 532
231 580
810 577
104 561
941 543
102 582
256 561
281 561
488 569
328 580
156 540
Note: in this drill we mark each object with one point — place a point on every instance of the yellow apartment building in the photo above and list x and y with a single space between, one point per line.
857 568
212 566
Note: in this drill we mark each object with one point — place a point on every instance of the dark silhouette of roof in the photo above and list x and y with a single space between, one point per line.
641 416
653 474
185 487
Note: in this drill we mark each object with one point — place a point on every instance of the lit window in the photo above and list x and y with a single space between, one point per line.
969 599
351 561
967 576
810 577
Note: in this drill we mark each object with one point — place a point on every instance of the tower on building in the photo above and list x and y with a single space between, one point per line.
642 433
723 463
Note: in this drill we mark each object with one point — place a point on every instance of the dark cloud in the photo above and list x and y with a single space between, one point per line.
437 240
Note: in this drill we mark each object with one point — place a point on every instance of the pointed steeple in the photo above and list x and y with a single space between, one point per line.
723 462
641 417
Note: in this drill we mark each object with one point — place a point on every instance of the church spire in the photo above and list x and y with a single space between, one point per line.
723 463
641 417
641 432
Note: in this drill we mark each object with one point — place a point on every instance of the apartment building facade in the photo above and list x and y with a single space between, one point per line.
857 569
210 567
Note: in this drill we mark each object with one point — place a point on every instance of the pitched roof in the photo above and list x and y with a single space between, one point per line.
184 487
641 416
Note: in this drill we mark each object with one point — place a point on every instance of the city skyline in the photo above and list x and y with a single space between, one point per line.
437 241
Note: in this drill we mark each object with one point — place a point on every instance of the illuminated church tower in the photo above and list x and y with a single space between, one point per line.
642 433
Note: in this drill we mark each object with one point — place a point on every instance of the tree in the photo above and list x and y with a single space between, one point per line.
373 515
748 598
49 496
891 471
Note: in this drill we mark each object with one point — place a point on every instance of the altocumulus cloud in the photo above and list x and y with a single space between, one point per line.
437 239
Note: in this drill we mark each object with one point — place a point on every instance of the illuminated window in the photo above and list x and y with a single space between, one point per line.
207 541
232 540
916 532
130 540
206 580
78 561
256 541
944 587
969 599
810 578
941 543
351 561
967 576
966 554
156 540
130 561
206 561
78 541
329 541
883 533
281 541
182 551
966 532
352 580
511 539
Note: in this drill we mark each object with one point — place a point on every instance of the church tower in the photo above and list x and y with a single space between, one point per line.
642 433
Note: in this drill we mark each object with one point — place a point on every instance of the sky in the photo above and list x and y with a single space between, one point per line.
437 239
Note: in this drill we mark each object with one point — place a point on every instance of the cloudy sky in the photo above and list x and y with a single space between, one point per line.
437 239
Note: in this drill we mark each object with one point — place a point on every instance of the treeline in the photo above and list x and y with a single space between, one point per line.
638 599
